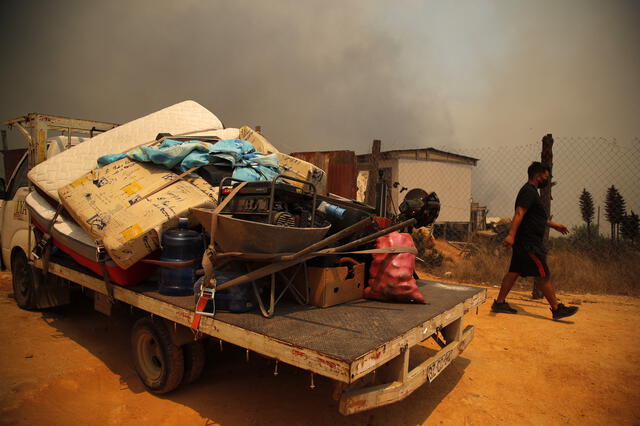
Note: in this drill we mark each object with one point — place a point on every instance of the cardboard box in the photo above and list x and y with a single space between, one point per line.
259 142
290 166
334 285
110 205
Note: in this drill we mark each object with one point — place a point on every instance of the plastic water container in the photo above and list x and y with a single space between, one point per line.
237 299
339 217
178 245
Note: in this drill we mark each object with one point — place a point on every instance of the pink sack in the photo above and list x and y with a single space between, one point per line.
391 275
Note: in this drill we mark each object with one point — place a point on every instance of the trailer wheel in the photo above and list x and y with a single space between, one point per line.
22 278
158 362
194 361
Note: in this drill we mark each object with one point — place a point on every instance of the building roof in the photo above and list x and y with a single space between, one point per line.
430 154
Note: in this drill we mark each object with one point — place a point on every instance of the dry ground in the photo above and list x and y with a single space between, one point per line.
72 366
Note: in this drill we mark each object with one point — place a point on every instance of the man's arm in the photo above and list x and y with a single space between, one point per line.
515 224
558 227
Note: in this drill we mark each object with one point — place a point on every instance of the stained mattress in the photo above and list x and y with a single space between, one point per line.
186 117
75 242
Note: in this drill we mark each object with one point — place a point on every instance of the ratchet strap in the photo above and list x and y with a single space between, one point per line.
208 288
43 249
101 258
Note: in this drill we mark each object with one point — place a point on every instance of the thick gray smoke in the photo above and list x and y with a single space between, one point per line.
313 74
334 74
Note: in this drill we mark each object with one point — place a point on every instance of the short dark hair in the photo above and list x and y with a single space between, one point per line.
536 168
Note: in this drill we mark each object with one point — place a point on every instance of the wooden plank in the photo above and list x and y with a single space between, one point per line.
370 195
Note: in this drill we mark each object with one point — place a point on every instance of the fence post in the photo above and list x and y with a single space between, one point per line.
370 196
546 157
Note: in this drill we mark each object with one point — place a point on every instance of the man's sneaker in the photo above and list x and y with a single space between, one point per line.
502 307
563 311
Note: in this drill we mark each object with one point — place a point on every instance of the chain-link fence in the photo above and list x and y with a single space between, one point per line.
487 179
594 164
481 183
479 186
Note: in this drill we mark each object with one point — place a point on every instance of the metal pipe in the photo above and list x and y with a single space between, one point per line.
275 267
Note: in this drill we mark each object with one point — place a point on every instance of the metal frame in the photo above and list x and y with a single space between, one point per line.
302 299
272 193
394 352
398 381
34 127
388 363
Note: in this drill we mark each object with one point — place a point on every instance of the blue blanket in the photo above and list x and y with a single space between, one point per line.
239 154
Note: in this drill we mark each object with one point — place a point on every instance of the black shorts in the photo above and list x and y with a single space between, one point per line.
529 262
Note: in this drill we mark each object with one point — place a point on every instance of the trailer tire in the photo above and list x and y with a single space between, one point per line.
158 361
194 361
23 280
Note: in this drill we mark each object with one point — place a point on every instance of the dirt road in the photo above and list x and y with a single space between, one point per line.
72 366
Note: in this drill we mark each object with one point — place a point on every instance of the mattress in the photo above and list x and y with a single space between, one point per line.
186 117
75 242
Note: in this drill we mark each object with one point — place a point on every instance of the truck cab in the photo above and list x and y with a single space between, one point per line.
13 213
46 136
14 221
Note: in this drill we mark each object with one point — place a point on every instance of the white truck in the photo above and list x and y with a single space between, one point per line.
50 135
376 353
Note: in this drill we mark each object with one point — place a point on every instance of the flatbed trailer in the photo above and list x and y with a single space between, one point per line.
365 346
370 349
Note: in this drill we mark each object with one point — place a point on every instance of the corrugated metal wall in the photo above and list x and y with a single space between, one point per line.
340 167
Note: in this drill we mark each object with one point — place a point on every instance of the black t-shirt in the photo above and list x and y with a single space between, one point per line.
531 230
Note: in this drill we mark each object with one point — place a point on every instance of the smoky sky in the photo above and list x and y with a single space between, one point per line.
334 74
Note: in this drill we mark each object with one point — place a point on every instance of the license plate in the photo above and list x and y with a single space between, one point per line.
436 367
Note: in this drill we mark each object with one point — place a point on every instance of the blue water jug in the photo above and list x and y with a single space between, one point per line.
178 245
237 299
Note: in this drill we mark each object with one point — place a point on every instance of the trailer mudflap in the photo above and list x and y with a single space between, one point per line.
404 381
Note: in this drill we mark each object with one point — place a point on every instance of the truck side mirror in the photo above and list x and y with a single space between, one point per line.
3 193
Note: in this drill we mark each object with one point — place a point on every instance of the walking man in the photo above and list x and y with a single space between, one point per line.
526 236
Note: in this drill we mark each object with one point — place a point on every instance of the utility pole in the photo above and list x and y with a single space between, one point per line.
370 196
546 158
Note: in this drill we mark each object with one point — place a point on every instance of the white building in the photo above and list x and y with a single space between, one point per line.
448 174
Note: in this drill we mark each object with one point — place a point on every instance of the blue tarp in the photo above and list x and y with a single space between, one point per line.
247 164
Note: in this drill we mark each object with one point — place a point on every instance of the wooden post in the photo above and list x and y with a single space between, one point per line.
472 224
370 196
546 157
6 175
